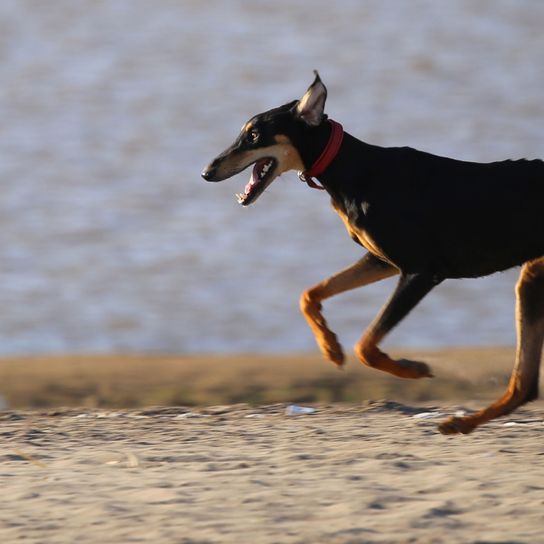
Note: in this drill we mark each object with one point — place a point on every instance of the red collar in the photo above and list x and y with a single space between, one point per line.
327 156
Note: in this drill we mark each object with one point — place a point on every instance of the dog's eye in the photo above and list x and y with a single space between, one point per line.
252 136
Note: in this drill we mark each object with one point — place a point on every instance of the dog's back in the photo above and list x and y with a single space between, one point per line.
471 219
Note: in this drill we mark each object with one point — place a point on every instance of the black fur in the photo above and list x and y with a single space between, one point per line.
446 217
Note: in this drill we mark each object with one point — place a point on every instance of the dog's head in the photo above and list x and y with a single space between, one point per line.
269 142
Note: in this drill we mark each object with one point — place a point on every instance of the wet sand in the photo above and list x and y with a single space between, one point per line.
138 380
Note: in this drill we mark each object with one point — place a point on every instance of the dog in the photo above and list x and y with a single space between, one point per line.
420 216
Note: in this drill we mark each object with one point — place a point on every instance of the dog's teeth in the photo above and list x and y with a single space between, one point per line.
265 169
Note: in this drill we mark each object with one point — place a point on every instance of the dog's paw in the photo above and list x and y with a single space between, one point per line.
335 356
332 351
414 369
456 425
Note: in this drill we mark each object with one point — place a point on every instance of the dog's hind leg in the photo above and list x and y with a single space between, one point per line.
523 386
367 270
410 290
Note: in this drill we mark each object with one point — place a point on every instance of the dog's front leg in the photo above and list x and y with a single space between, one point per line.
409 291
367 270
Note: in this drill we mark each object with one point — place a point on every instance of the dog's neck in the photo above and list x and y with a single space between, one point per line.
327 155
329 152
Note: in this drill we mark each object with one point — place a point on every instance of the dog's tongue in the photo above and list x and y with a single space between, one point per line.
255 174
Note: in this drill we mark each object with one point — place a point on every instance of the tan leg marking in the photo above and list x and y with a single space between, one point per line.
368 270
369 354
523 385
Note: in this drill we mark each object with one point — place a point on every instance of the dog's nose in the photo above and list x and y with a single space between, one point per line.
208 173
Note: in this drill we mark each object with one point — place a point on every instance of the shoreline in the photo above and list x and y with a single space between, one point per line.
136 380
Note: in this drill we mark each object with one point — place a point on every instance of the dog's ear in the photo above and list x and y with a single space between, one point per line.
311 106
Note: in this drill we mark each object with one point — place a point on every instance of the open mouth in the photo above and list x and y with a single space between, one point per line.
261 176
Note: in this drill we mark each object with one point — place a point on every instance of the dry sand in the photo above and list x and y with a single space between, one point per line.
371 472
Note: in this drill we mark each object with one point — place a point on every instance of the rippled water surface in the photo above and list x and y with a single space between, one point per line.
109 239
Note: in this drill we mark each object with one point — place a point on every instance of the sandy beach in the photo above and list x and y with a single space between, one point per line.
368 471
374 472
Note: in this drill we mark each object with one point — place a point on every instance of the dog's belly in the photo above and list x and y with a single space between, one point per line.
468 250
478 261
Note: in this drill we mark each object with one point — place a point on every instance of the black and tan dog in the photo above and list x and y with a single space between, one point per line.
424 217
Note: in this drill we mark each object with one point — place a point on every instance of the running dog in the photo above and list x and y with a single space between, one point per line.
422 217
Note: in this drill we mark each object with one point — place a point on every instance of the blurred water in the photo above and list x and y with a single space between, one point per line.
110 241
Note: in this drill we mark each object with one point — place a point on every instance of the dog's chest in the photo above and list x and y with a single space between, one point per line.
359 234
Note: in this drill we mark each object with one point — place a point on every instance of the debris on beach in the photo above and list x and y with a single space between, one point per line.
295 410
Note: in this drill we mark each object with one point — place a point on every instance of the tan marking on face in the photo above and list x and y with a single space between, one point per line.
360 234
234 163
283 151
288 156
282 139
246 127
